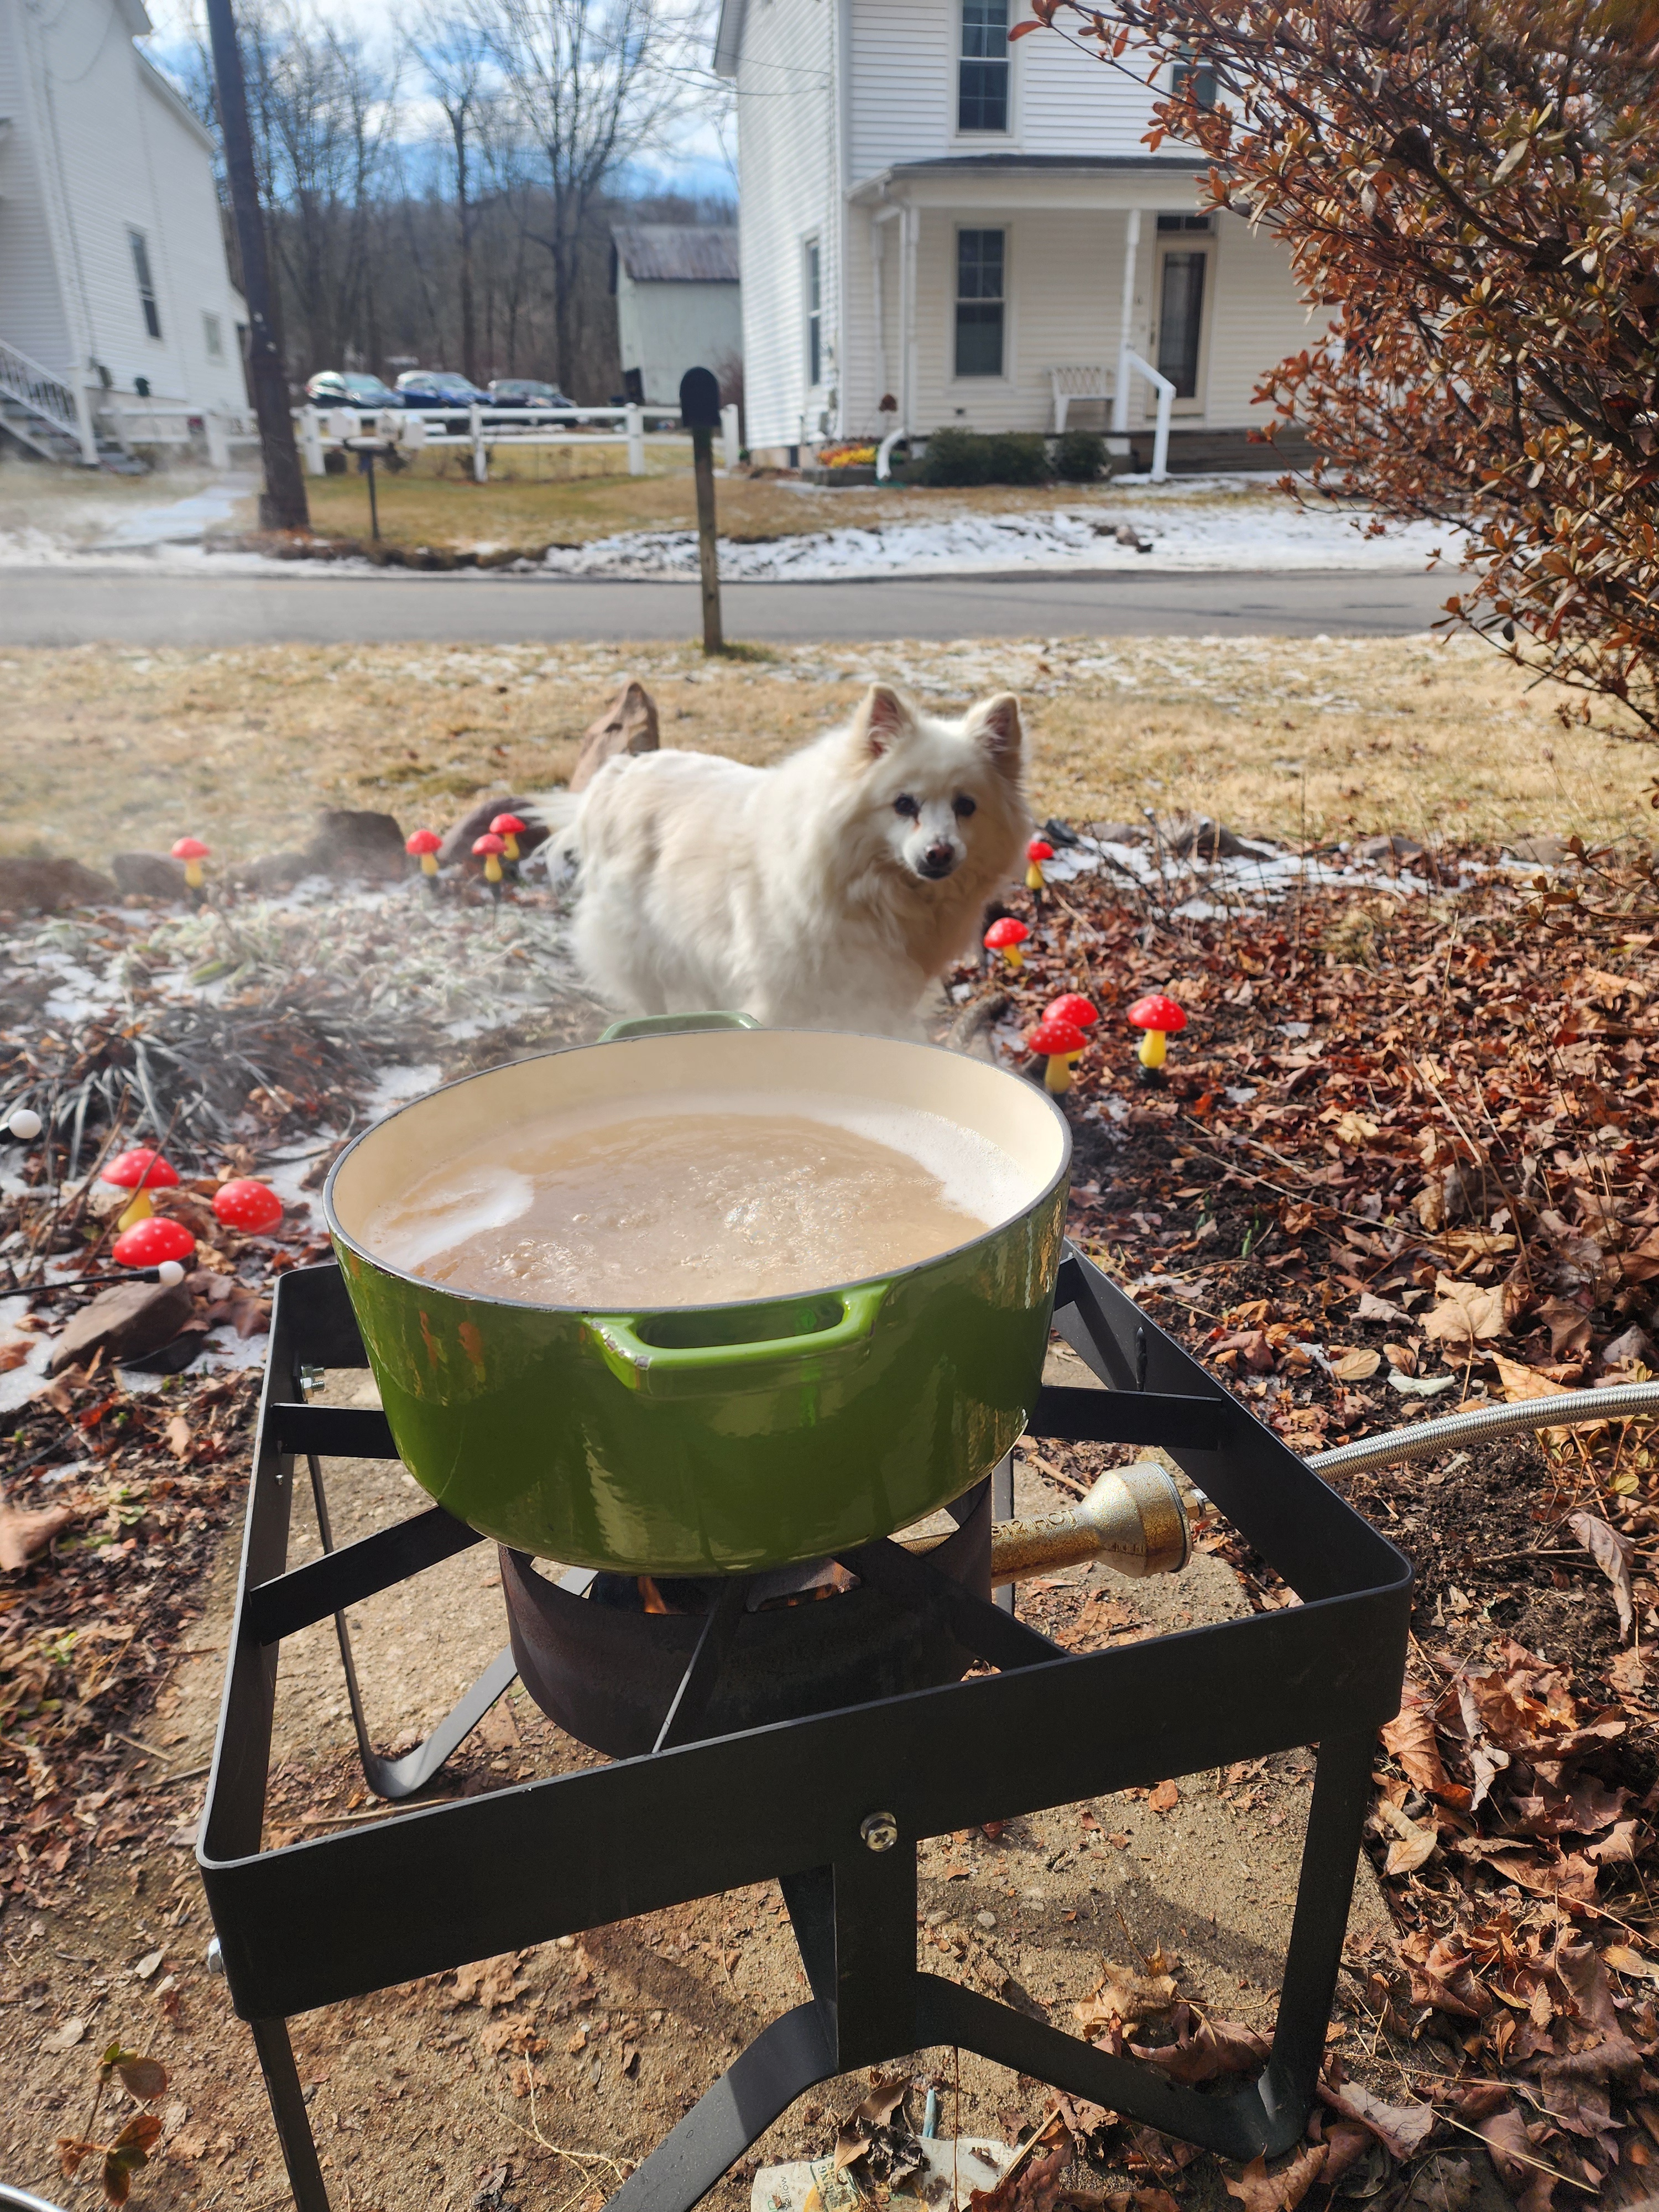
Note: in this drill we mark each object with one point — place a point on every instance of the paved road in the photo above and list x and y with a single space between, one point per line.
327 607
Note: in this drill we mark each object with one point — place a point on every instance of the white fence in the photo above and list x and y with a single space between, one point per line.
489 428
146 423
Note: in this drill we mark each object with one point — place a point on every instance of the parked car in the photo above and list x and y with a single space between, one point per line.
350 387
441 388
524 391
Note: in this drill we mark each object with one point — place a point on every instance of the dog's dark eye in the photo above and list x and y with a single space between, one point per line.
964 807
905 805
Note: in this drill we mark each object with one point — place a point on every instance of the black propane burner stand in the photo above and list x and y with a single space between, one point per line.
831 1806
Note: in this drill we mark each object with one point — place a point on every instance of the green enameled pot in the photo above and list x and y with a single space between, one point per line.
711 1439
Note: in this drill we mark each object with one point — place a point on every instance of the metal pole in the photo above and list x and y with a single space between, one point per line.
374 509
282 503
702 462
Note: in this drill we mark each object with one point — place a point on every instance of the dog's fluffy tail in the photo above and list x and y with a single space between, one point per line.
559 813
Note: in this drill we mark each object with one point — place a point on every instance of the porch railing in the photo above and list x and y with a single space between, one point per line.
29 385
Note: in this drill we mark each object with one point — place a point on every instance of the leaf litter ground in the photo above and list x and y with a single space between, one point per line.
1401 1162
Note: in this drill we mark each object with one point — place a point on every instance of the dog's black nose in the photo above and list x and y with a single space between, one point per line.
938 860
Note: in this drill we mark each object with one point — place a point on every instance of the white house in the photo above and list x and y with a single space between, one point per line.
118 323
678 304
943 226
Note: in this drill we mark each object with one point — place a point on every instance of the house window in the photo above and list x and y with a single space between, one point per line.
213 337
1199 222
982 72
814 314
1180 321
146 282
980 301
1196 77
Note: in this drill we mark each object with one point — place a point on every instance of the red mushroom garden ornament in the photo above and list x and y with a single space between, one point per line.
192 851
140 1171
1157 1017
507 827
1006 937
153 1243
247 1204
424 845
1060 1042
1071 1006
1037 852
489 848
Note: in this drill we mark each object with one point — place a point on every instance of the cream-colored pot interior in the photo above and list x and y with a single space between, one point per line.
645 1071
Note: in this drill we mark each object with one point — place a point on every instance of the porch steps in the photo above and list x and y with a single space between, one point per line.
37 411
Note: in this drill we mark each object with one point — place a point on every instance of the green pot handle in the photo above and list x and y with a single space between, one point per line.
669 1025
841 1337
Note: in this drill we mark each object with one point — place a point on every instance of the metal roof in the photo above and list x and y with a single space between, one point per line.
677 253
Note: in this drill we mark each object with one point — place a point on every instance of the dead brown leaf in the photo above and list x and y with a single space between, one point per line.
1466 1314
1411 1737
1163 1799
24 1537
1258 2191
1611 1554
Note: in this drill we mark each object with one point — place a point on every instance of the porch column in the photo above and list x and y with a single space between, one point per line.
878 222
911 227
1126 336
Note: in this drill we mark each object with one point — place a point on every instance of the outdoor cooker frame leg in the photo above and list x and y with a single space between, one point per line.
341 1916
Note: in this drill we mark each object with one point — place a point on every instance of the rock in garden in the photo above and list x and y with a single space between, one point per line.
629 725
125 1323
29 885
349 842
458 842
147 875
1388 849
1185 835
273 872
1548 850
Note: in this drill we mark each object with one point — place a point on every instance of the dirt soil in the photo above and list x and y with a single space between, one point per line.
109 749
1402 1158
565 2062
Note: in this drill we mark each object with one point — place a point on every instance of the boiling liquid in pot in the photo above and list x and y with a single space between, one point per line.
711 1202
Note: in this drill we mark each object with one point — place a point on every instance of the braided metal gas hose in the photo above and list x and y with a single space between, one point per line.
1568 1409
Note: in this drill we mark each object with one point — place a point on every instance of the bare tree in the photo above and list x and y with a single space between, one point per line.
454 63
593 83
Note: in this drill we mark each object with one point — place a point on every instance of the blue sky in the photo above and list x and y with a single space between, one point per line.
696 155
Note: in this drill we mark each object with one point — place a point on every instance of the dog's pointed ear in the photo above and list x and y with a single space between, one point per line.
884 719
994 725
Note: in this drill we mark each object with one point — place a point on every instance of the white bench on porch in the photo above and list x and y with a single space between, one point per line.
1092 386
1096 387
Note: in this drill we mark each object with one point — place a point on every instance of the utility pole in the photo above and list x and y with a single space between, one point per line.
700 412
282 503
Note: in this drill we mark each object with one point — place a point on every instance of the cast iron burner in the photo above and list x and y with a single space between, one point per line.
718 1713
605 1663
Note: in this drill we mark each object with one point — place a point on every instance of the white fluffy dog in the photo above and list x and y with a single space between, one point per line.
825 893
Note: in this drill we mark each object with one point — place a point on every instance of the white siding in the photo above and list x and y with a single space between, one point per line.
787 160
33 313
104 147
903 64
663 328
1257 319
196 282
1064 278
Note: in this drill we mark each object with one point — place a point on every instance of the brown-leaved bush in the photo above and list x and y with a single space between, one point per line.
1471 195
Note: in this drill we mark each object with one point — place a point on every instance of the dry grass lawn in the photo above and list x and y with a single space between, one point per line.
556 496
103 748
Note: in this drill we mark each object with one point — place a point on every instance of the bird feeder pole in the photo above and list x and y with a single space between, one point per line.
282 503
700 411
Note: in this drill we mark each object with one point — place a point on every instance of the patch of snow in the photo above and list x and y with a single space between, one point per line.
1276 534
